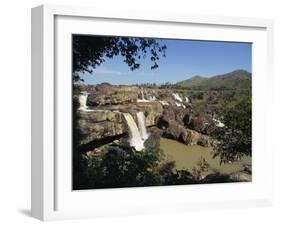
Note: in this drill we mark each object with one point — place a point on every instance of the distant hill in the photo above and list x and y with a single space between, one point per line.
239 79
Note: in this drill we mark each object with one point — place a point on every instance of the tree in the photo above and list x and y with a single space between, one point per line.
119 166
235 139
91 51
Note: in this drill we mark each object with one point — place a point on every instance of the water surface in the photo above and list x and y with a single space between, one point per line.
186 157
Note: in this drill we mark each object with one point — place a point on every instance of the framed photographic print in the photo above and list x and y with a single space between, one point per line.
134 112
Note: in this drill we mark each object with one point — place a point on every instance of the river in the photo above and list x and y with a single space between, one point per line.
186 157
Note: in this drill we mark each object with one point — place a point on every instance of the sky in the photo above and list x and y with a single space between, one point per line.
184 59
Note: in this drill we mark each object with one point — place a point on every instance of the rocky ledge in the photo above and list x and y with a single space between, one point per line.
100 124
106 94
103 118
176 122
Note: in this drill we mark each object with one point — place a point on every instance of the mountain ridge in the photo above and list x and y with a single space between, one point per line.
237 79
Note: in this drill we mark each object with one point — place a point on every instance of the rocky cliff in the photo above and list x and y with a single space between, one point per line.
170 113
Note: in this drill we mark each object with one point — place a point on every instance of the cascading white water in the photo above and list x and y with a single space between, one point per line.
186 99
138 135
142 97
218 123
177 97
180 105
83 101
142 127
134 133
142 94
151 98
163 102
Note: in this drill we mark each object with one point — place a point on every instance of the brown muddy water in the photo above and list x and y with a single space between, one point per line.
187 157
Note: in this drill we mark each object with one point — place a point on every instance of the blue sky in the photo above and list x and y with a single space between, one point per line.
184 59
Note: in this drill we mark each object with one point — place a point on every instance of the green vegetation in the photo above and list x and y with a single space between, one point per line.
235 140
123 166
193 82
212 111
115 165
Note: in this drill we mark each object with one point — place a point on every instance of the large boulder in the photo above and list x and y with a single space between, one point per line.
100 124
173 113
153 140
174 130
199 124
173 123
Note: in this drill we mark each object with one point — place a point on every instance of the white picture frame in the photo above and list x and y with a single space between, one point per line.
52 197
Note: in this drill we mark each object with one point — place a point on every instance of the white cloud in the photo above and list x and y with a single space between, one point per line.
107 71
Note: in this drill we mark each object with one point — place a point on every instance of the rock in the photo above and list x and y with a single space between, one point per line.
154 130
204 141
186 119
240 177
106 94
173 130
97 125
247 168
152 112
188 137
153 141
108 102
171 123
216 178
199 124
176 113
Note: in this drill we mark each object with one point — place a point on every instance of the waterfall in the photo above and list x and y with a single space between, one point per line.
186 99
218 123
180 105
177 97
83 101
142 127
151 98
142 97
137 137
142 94
163 102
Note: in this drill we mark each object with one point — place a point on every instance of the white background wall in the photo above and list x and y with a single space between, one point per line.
15 112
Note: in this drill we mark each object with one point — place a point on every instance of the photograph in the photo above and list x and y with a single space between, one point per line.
152 111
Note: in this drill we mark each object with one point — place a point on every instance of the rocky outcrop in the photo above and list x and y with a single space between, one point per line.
172 125
103 117
152 110
176 113
106 94
153 140
108 121
199 124
100 124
